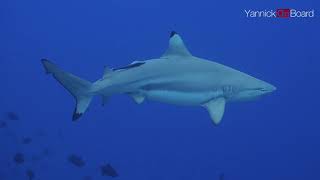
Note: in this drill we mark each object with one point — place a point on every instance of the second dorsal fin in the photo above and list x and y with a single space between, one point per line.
106 72
176 46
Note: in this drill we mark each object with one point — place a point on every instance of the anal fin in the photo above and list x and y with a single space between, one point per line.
137 97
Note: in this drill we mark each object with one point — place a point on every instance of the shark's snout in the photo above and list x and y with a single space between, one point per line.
268 88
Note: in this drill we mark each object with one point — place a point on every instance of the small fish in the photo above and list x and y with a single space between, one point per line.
108 170
26 140
35 158
3 124
76 160
40 133
30 174
87 178
46 152
19 158
12 116
221 176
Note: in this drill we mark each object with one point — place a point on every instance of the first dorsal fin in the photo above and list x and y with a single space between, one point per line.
176 46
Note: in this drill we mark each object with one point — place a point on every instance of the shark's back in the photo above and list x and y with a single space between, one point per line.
187 73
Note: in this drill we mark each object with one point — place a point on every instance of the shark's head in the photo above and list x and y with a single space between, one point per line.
252 89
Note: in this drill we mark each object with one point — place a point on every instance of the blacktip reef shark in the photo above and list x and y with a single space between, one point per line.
177 77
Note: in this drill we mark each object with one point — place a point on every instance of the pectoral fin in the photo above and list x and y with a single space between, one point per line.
215 108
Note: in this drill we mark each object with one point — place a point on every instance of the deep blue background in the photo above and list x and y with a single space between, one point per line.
276 137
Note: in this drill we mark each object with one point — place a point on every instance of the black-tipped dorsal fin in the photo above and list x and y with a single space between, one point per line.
176 46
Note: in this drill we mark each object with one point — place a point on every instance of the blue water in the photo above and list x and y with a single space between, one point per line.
275 137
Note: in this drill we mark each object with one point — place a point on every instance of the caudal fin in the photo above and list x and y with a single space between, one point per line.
77 87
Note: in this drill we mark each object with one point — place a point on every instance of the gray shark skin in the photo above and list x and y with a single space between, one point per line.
177 77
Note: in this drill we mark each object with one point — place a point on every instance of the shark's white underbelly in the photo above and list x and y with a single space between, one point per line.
181 97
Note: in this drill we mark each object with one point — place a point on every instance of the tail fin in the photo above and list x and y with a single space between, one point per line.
76 86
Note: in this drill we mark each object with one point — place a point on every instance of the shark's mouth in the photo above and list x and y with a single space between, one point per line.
258 89
266 90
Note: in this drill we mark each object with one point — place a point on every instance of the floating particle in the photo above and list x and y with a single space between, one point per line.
36 157
108 170
12 116
87 178
18 158
30 174
40 133
221 176
46 152
3 124
76 160
26 140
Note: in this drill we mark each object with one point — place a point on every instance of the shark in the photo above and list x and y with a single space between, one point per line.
177 77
